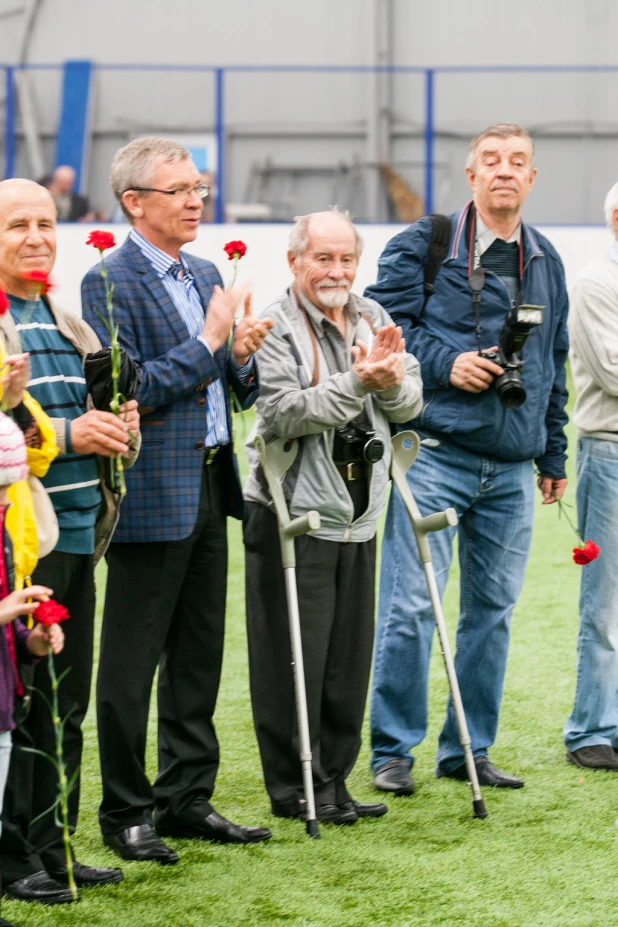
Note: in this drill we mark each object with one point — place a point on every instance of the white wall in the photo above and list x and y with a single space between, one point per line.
265 265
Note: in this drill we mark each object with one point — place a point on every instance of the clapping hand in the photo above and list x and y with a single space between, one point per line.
383 368
249 334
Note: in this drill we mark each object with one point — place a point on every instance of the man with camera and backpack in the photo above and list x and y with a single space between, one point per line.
475 294
333 373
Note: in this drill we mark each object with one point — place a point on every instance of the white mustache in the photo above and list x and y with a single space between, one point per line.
325 285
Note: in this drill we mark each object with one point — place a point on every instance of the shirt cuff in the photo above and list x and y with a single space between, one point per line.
69 447
242 372
205 343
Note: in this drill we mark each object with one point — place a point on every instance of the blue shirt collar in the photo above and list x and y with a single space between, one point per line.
160 261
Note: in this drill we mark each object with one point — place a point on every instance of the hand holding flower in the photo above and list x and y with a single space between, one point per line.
43 638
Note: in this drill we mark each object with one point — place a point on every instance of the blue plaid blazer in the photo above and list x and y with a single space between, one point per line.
163 487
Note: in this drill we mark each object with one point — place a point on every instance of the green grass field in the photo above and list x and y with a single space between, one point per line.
546 857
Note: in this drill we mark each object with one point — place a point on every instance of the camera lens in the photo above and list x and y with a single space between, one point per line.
373 451
511 392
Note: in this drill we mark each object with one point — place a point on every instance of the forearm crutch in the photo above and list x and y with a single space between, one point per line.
406 446
277 458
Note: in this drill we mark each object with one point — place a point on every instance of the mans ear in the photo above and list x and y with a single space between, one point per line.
292 262
132 203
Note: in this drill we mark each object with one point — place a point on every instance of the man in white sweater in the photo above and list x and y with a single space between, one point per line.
591 733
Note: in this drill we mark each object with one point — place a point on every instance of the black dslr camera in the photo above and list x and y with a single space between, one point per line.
356 442
518 325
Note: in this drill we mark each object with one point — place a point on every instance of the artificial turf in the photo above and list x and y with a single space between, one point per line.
547 856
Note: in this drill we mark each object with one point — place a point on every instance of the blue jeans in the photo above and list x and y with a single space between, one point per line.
494 502
5 756
594 719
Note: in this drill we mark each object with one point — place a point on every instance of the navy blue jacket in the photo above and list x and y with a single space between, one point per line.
163 486
445 328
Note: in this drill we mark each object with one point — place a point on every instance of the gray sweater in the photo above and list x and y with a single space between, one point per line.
289 407
593 330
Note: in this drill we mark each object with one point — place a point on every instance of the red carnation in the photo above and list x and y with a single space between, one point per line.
40 281
235 250
4 303
586 553
101 240
51 612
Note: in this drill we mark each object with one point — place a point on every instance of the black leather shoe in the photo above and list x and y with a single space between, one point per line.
216 828
39 887
336 814
394 776
375 809
140 844
487 773
599 756
86 876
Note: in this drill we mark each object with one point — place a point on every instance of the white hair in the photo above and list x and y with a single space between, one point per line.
299 236
609 207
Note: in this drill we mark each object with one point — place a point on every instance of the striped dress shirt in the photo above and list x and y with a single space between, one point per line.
180 285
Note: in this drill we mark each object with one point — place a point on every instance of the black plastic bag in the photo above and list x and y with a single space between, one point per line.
98 373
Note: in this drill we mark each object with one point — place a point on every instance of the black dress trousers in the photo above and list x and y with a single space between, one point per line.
336 584
32 787
165 608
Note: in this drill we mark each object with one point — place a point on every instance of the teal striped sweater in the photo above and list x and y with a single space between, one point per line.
57 383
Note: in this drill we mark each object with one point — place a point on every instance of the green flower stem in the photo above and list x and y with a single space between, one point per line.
63 789
117 470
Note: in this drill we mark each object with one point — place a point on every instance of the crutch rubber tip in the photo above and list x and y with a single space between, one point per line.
312 829
479 808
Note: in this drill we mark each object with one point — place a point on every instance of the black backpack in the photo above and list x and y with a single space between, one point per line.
438 248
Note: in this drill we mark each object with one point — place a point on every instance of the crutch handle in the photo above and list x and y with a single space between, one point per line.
436 522
310 521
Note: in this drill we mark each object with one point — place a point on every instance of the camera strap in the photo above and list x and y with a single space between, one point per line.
314 344
476 274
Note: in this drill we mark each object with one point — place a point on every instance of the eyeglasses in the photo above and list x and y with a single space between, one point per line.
202 190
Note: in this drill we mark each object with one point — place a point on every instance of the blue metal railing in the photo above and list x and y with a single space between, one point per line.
219 75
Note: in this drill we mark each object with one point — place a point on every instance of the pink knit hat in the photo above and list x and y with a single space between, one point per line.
13 466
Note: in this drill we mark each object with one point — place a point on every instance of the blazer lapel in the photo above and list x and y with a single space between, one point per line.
154 284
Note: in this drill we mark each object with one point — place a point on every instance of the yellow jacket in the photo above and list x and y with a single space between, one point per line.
20 519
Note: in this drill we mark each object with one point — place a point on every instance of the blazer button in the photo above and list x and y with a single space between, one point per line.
201 402
199 445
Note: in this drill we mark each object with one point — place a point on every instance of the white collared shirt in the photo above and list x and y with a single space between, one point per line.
486 236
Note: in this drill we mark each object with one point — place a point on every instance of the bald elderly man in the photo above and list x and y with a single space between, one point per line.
334 374
31 851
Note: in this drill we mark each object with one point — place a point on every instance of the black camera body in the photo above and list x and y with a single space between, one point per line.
356 442
518 324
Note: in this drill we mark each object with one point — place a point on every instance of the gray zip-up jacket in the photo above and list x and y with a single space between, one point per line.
289 407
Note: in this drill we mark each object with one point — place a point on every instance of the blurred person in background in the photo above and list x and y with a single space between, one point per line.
591 732
334 365
71 206
479 457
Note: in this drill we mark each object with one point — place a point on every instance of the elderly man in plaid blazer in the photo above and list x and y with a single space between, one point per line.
167 565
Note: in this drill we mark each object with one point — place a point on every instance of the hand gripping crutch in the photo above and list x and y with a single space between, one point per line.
406 446
277 458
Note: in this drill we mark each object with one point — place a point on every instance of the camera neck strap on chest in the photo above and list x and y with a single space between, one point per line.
476 274
314 344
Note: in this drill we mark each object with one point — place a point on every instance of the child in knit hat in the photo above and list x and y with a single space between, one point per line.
17 643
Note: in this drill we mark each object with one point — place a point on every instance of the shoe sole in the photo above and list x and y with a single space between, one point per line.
401 791
184 836
47 901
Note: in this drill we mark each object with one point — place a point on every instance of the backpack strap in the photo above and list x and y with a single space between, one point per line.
439 242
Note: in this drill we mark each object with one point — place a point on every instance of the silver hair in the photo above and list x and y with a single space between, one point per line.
134 165
299 236
499 130
609 207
